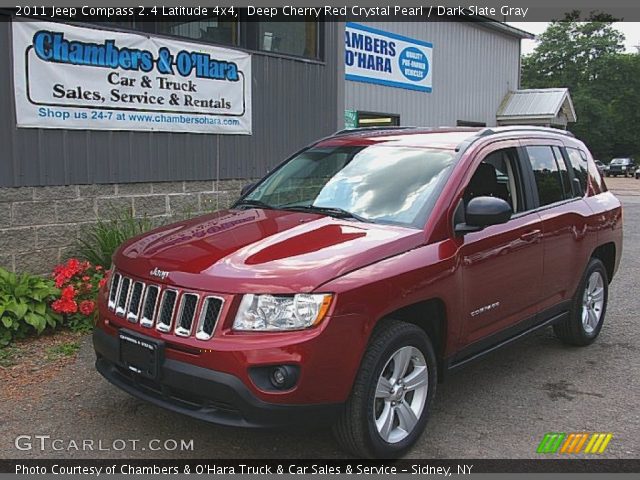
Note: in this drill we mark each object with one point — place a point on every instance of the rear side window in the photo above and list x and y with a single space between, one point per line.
564 173
579 165
547 175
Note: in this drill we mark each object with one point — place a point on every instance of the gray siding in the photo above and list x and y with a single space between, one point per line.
293 104
473 69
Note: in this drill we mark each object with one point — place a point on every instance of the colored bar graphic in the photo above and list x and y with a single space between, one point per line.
550 443
572 443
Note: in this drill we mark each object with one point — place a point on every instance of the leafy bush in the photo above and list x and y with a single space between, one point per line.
80 283
24 302
98 243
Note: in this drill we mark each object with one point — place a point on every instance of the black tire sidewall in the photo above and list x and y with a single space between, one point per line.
414 338
595 265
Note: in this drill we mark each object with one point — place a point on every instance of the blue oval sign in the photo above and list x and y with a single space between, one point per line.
414 64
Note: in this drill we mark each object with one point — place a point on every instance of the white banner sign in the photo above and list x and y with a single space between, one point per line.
93 79
385 58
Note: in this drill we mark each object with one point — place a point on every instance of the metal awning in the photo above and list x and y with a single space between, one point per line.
543 106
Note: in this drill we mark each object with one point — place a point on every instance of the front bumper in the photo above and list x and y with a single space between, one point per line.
205 394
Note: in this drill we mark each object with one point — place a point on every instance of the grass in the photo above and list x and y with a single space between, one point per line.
8 356
63 350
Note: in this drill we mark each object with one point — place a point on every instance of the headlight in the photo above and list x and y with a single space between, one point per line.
275 312
624 168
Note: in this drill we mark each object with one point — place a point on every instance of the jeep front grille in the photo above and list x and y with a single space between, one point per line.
113 291
167 305
123 296
208 317
149 306
184 313
134 302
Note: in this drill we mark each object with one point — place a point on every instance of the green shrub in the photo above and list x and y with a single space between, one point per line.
98 242
24 305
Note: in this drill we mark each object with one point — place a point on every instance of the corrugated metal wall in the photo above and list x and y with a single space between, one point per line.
294 103
473 69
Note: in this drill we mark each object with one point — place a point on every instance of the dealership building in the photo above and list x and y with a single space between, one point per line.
172 118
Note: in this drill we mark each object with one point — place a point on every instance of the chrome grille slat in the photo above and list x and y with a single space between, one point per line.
165 312
133 309
209 314
123 296
149 306
186 314
113 290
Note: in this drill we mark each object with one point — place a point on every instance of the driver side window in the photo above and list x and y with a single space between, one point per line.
498 175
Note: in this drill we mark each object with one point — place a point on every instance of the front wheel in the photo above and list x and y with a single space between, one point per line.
586 317
391 397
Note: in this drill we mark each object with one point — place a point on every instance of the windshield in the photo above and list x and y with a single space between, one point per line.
373 183
620 161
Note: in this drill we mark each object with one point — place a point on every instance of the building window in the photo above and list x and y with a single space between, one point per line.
469 123
371 119
298 38
213 30
286 35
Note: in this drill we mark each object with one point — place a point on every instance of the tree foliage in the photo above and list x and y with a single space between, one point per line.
604 82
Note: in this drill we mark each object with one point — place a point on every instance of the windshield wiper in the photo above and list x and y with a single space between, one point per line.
335 212
253 203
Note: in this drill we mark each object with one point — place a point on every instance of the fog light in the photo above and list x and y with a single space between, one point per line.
279 376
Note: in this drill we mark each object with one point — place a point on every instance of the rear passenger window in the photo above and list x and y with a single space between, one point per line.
546 173
564 173
579 165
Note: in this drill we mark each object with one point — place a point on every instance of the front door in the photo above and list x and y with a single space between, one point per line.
501 264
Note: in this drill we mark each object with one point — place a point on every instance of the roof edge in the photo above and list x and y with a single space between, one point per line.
493 24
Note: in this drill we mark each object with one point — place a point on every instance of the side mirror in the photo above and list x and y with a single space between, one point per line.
246 188
483 212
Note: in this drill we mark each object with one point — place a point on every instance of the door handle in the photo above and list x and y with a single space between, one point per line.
529 236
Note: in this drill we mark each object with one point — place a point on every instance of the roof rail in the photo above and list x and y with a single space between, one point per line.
346 131
520 128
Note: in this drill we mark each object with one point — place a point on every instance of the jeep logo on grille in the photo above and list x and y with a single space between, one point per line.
161 274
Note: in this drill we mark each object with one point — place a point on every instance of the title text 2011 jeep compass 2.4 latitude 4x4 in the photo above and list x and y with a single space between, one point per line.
353 276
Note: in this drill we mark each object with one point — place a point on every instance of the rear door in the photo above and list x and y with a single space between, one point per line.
564 218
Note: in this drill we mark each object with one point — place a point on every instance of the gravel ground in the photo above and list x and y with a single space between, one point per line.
497 408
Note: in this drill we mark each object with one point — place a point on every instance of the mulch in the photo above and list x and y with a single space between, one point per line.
32 362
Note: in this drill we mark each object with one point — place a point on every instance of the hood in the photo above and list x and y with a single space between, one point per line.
261 251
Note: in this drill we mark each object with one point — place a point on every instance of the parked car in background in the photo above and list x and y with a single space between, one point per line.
601 167
621 166
638 174
343 286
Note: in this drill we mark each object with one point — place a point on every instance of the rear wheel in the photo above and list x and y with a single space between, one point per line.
585 320
389 404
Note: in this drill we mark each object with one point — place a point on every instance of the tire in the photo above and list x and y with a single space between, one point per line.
589 307
356 430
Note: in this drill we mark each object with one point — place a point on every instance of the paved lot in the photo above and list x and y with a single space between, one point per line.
497 408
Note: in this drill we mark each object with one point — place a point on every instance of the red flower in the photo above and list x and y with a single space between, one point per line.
86 278
63 305
73 265
102 282
87 307
98 268
68 293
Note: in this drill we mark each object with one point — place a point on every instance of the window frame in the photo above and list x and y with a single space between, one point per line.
572 175
532 185
523 181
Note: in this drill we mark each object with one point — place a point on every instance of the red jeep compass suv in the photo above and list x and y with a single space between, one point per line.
343 285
